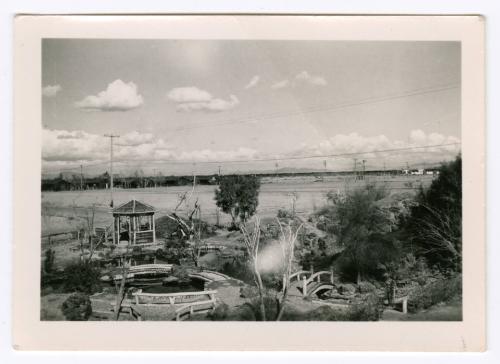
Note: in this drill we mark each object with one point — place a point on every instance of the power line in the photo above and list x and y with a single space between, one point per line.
304 111
338 106
271 159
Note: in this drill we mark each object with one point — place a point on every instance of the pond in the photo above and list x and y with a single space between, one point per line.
176 287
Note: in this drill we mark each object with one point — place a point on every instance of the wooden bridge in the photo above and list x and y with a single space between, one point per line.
209 276
310 283
151 268
136 271
191 302
142 298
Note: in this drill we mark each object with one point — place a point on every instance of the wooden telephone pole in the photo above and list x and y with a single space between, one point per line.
111 136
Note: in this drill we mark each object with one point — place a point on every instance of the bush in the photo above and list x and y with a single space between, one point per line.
433 293
284 214
220 313
77 307
167 228
48 263
368 310
82 277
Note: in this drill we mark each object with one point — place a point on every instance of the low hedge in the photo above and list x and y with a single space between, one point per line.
441 290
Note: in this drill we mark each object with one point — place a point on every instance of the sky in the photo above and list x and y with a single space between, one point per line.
190 106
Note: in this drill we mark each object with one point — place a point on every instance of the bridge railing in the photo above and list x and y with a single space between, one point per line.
172 298
300 274
191 308
151 267
316 277
208 275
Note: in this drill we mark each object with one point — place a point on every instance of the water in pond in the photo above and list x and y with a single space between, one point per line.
182 286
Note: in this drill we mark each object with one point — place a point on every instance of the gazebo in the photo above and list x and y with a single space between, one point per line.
134 223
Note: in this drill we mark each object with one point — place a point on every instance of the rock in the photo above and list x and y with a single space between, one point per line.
248 292
366 287
346 289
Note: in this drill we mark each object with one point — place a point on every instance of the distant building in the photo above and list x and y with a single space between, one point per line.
417 172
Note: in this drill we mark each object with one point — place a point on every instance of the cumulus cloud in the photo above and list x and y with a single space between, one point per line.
302 78
419 146
189 94
280 84
305 77
62 145
69 148
51 90
194 99
118 96
218 155
135 138
253 82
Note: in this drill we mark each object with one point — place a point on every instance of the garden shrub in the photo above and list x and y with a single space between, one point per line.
368 310
77 307
220 313
433 293
82 277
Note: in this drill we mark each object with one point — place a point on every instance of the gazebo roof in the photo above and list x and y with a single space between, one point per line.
133 207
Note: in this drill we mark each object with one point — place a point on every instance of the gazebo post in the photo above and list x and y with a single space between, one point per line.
130 230
114 230
153 223
134 227
118 225
133 211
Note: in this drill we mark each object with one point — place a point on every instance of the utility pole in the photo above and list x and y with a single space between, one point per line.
364 169
324 164
217 209
81 177
111 136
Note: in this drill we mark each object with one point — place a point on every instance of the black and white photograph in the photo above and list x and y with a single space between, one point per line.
251 180
249 183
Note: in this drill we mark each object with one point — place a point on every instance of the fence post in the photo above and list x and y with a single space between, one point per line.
304 286
331 277
405 305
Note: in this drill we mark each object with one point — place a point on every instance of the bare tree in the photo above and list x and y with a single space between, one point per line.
89 237
439 230
287 240
252 245
187 225
120 295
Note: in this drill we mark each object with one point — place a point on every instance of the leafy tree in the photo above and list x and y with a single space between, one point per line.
434 225
238 195
82 277
77 307
363 229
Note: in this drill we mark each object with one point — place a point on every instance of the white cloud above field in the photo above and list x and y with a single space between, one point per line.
300 79
63 148
432 147
190 98
69 148
280 84
51 90
118 96
307 78
253 82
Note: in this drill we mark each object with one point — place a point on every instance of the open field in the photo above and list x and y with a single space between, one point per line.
63 210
